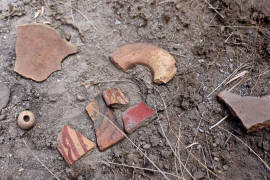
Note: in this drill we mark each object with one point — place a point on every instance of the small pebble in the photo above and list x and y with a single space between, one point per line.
198 147
201 60
146 146
200 130
225 167
2 117
117 22
216 158
52 99
80 98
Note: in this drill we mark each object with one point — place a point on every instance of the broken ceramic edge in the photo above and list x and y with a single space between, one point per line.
114 98
73 145
27 46
108 131
137 116
253 112
160 62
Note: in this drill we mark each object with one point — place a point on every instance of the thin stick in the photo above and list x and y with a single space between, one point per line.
40 161
178 145
137 147
171 146
235 26
84 17
193 140
71 11
220 121
266 165
223 81
168 119
78 11
135 167
205 163
228 37
210 5
195 143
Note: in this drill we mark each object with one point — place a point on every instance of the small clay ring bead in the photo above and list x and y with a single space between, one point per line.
26 120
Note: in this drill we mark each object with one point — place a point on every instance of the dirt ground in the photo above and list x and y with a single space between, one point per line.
209 43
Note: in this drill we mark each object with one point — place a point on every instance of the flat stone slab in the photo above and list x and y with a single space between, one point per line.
136 116
114 97
40 51
72 144
254 112
4 95
108 131
160 62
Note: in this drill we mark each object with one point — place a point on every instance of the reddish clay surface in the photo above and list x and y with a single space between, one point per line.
108 131
161 63
73 145
114 97
137 116
40 51
254 112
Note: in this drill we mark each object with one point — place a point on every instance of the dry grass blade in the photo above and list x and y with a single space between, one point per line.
224 80
193 144
40 161
168 119
194 139
210 5
159 170
168 141
203 165
266 165
220 121
136 167
241 74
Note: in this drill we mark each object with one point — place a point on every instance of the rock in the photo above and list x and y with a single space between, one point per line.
199 175
166 154
72 144
266 145
108 131
136 116
161 63
225 167
80 98
114 97
146 146
4 95
252 111
2 117
154 141
40 51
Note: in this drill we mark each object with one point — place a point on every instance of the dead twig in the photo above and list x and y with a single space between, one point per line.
168 141
137 147
220 121
168 119
212 7
135 167
40 161
265 164
224 81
